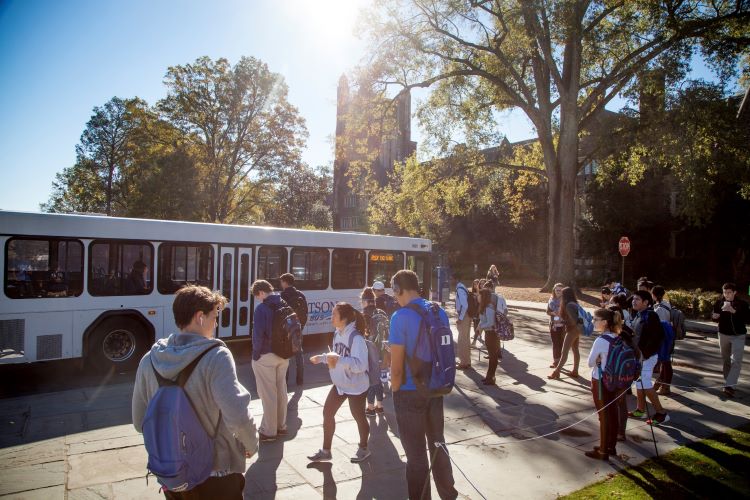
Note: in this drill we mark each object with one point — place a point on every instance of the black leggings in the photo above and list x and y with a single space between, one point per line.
357 407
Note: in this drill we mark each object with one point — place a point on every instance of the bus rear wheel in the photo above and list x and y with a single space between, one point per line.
118 344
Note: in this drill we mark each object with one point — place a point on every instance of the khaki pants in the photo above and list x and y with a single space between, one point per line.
270 379
732 348
464 342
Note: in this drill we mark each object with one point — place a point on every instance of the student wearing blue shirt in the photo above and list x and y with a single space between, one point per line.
419 418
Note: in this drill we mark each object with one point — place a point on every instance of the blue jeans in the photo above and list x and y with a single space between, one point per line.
300 362
419 419
375 391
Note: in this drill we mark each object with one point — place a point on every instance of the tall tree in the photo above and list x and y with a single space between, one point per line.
104 144
301 196
559 62
241 125
76 189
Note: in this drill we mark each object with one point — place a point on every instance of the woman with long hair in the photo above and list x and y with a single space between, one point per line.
493 275
556 326
487 325
373 315
608 324
347 364
568 312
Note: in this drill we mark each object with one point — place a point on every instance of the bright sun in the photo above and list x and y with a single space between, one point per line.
325 21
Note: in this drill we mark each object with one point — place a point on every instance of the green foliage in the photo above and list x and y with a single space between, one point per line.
561 63
241 125
694 303
223 146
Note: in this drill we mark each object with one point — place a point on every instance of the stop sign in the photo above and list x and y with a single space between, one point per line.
624 246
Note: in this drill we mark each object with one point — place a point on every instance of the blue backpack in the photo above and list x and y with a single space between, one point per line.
622 365
587 320
667 346
433 360
180 451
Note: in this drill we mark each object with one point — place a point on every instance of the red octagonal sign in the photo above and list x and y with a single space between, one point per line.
624 246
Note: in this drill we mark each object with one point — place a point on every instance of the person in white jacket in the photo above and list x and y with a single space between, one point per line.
347 364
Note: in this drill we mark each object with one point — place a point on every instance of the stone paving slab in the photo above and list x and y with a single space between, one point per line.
31 477
106 466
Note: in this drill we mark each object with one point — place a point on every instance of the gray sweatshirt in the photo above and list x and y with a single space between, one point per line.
213 388
350 375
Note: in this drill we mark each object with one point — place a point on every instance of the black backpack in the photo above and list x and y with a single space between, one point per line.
299 304
286 331
391 305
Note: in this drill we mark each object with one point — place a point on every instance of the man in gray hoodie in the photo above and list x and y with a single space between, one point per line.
213 388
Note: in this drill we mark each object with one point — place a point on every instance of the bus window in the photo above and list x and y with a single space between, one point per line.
271 264
43 268
120 268
419 264
310 268
383 265
348 269
182 264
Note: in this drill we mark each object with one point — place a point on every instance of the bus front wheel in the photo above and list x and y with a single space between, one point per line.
117 344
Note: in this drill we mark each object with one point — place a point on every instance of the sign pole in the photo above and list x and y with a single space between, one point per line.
622 278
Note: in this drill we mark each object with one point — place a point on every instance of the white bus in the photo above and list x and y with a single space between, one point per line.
100 288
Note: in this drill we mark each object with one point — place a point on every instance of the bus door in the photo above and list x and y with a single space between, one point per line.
234 278
420 264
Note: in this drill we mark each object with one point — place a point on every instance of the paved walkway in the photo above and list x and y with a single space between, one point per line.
79 444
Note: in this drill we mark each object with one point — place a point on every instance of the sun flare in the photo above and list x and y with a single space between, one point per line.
326 22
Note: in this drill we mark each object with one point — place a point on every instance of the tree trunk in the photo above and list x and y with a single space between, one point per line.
110 175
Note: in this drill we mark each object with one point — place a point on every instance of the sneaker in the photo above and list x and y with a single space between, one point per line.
658 419
636 413
729 391
362 454
321 456
265 439
379 409
370 412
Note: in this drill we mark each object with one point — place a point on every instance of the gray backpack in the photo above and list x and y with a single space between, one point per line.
373 358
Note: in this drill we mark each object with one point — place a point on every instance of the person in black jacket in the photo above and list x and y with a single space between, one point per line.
298 302
649 335
732 315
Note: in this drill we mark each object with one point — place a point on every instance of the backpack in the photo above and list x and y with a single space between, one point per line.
180 451
299 304
433 361
667 345
379 326
587 320
504 326
391 305
373 358
622 365
286 331
472 311
677 318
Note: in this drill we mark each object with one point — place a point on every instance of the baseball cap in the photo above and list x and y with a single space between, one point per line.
378 285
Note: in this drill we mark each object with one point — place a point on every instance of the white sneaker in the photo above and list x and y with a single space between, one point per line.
362 454
320 456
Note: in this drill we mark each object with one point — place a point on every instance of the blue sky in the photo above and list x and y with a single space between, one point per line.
59 59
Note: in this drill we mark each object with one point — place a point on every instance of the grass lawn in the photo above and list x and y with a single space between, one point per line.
713 468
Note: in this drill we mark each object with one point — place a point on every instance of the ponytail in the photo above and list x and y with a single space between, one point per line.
348 313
